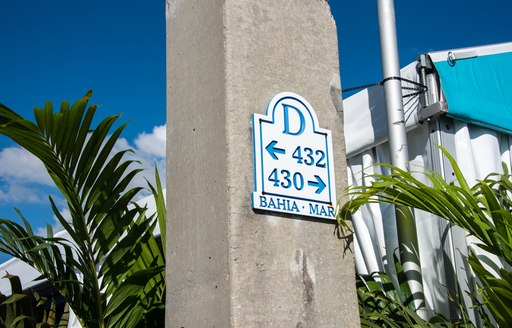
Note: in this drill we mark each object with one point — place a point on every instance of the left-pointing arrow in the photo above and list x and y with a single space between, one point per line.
273 150
319 183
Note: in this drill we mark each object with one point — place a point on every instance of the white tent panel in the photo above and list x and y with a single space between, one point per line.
478 150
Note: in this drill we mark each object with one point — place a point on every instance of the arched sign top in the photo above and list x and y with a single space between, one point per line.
293 160
289 101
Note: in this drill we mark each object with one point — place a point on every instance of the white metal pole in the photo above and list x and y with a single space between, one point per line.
392 87
399 153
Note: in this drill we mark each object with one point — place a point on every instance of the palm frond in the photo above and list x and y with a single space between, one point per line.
483 210
95 181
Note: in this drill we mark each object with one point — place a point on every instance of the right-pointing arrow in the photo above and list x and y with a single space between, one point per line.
318 184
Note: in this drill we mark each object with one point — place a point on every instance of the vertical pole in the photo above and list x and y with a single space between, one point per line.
406 228
392 88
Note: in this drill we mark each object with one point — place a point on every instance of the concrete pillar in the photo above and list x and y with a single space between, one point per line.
226 265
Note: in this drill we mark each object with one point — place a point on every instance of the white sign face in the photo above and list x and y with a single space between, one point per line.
293 160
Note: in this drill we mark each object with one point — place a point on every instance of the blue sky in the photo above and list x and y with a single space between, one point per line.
56 50
422 26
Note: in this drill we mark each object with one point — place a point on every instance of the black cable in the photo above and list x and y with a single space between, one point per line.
421 88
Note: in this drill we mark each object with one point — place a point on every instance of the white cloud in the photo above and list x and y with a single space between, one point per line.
153 143
23 176
150 152
56 225
15 193
17 164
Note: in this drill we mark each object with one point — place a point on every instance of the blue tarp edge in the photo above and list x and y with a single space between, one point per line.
479 90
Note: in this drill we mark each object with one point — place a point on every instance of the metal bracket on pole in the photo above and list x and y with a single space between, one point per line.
425 67
429 112
431 105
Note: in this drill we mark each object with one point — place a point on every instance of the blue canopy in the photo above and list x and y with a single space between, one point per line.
478 87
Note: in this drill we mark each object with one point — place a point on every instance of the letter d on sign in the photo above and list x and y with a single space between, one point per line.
287 120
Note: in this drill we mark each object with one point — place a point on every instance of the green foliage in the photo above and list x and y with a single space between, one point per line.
107 229
483 210
16 311
381 304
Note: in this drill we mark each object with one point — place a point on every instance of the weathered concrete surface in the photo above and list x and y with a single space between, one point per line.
227 266
197 247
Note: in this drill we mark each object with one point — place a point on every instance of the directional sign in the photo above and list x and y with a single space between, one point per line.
293 160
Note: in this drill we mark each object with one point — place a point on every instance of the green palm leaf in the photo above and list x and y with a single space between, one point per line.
483 210
105 228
